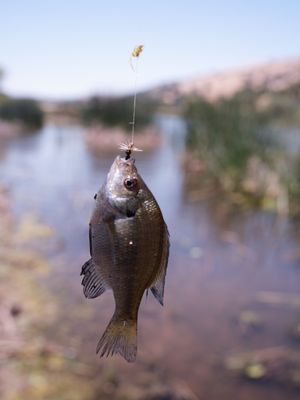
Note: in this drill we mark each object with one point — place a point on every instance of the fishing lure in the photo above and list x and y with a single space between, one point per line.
137 50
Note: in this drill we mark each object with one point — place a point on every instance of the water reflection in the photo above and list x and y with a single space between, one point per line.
221 259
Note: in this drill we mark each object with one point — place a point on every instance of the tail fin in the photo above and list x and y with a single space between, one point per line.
120 337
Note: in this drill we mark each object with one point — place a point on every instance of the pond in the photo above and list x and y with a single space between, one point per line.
232 280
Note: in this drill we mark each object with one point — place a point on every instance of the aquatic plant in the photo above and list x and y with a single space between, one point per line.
238 147
225 134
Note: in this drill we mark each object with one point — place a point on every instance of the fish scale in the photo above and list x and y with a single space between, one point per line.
129 246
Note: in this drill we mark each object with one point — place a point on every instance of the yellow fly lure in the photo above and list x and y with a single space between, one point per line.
129 146
137 50
136 53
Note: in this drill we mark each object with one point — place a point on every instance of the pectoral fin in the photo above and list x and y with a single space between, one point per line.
92 282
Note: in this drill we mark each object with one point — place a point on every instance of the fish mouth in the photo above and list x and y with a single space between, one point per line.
126 164
122 168
123 179
126 160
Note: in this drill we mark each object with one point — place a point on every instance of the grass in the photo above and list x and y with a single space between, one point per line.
230 138
225 134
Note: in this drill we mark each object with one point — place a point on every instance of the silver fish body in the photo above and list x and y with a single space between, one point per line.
129 246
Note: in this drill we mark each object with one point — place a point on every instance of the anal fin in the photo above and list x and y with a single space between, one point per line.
158 290
92 282
158 285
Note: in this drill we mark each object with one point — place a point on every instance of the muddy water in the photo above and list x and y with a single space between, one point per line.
222 263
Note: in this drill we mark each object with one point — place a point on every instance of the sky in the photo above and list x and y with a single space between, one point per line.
66 49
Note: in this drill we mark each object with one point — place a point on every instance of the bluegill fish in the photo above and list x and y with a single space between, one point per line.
129 247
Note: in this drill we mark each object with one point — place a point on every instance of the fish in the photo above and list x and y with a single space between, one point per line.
129 248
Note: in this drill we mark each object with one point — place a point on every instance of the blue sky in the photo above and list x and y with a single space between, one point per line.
63 49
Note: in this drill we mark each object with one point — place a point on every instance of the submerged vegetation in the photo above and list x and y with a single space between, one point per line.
32 366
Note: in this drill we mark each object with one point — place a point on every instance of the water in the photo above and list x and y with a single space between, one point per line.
221 260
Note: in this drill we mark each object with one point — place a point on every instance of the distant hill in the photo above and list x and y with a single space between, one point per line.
270 77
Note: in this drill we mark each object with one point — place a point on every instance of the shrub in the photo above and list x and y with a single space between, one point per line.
117 111
26 111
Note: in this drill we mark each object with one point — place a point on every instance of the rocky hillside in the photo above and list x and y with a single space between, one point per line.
271 77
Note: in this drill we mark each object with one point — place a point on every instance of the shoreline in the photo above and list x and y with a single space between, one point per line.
101 139
10 130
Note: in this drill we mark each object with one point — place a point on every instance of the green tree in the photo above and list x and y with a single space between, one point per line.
27 111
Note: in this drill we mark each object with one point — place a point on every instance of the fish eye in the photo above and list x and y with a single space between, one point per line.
130 183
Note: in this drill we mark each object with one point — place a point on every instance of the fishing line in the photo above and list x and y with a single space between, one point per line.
134 99
129 146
